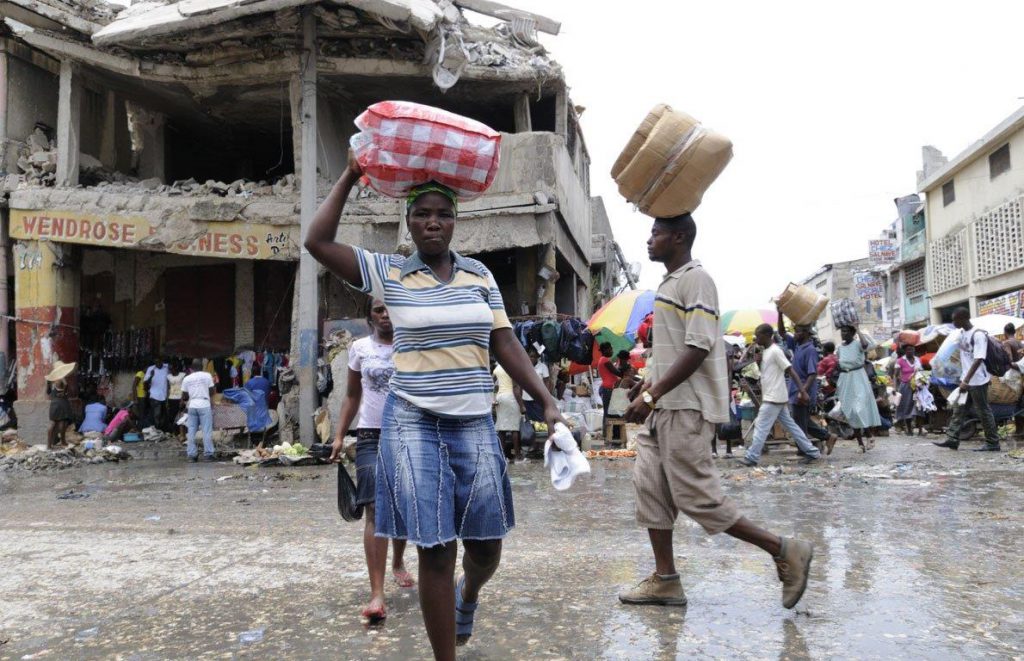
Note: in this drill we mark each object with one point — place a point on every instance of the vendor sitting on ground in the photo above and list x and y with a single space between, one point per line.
95 416
885 407
124 421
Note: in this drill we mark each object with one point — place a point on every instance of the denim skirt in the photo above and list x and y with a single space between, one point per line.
366 466
440 479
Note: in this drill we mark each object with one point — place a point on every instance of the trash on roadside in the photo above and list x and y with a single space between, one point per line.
249 637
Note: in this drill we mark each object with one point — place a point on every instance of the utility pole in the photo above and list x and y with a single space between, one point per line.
308 268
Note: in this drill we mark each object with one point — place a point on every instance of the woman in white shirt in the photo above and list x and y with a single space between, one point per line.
370 367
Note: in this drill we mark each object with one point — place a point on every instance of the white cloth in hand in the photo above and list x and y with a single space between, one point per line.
568 464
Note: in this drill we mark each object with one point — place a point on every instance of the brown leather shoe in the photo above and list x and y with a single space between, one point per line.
794 566
656 591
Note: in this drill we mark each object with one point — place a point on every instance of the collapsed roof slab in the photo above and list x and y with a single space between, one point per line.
56 12
504 12
281 68
190 15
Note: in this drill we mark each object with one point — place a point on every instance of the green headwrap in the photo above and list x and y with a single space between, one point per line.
432 187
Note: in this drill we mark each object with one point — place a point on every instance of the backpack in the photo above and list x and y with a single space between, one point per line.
577 342
997 361
550 337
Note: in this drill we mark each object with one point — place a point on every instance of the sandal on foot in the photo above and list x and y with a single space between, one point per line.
403 578
464 613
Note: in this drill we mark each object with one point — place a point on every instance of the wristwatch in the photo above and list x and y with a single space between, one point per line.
648 398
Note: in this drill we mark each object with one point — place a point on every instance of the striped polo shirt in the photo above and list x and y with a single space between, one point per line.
442 330
686 314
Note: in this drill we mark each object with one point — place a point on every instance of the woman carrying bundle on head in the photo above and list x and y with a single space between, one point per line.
441 473
856 397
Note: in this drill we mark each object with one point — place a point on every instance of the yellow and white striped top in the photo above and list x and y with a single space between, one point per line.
442 330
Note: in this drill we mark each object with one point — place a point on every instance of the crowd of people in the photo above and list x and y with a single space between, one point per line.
172 396
841 384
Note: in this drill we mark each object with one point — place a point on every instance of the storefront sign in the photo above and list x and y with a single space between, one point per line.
1008 304
232 240
883 252
868 285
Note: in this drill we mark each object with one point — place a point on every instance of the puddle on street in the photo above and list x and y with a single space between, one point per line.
917 555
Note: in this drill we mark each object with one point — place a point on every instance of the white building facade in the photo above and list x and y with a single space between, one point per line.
974 206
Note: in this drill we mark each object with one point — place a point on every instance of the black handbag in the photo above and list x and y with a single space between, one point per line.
526 431
730 431
347 507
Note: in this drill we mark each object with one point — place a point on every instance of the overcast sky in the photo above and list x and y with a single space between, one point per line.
827 106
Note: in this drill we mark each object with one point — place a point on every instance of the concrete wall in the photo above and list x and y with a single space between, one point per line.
976 194
31 98
540 162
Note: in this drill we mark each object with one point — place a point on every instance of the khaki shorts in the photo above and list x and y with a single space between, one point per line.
674 473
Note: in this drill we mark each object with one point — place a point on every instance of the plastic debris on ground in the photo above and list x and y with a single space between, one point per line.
38 457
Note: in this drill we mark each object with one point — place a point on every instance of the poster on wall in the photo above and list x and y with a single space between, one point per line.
883 252
868 285
1008 304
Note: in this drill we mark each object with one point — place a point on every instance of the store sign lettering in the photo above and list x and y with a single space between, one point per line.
246 240
59 228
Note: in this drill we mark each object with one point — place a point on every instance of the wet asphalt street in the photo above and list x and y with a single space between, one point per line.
918 555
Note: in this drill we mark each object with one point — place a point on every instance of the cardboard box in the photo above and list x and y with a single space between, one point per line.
669 162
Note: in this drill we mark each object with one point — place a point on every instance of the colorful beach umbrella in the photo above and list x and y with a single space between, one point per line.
743 322
622 315
617 322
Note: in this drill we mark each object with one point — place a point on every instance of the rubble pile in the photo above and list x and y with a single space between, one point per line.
285 186
17 455
501 47
96 11
37 159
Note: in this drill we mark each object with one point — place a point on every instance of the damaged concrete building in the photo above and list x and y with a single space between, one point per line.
159 161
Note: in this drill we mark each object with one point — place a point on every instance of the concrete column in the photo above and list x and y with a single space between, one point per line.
244 326
69 120
546 287
305 359
524 123
46 310
4 83
108 138
153 158
295 107
562 112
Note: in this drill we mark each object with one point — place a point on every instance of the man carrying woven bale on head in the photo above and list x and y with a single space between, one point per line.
686 393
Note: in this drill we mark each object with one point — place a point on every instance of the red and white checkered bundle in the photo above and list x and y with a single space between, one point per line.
402 145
